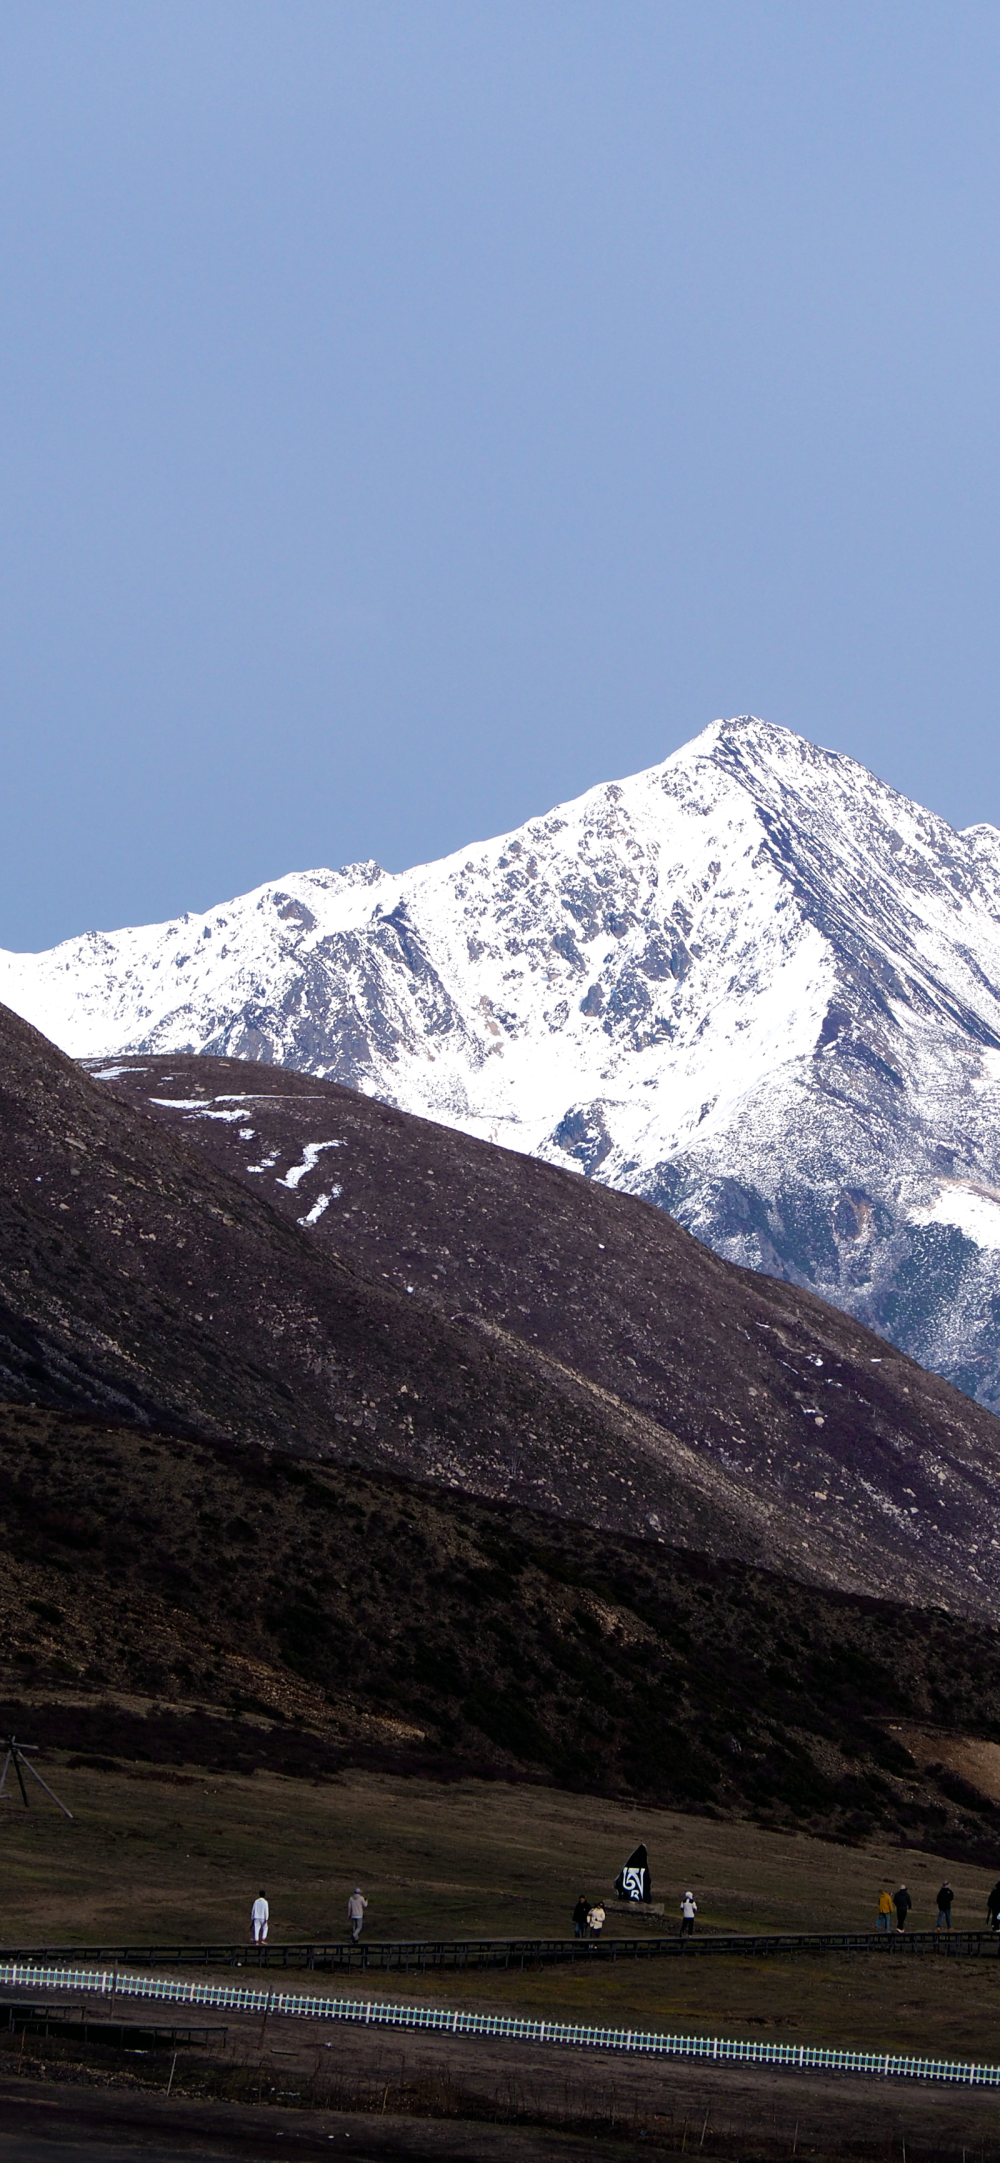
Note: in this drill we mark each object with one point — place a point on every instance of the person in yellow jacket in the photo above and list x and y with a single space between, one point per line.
885 1909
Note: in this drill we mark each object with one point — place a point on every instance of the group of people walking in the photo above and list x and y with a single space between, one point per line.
589 1917
895 1907
260 1916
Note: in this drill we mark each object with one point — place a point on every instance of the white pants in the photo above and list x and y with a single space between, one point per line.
259 1933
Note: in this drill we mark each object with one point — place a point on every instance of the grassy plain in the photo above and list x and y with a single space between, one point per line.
181 1856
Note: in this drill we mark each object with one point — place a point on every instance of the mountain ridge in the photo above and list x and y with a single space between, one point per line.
752 985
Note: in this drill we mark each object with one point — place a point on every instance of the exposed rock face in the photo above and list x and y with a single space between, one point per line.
752 985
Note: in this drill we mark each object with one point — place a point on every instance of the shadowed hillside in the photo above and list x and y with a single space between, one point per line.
181 1602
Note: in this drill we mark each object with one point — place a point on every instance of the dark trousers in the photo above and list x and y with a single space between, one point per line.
687 1926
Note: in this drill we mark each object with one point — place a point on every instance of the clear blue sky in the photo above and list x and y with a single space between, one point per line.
412 413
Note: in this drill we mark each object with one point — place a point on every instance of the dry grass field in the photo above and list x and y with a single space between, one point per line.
180 1856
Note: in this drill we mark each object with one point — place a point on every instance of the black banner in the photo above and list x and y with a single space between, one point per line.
633 1881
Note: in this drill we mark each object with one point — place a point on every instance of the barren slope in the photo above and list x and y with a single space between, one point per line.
833 1455
137 1278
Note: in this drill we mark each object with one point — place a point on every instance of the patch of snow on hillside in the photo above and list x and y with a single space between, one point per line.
322 1202
310 1158
197 1108
972 1212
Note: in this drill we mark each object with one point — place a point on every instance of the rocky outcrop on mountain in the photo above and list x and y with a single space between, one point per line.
752 985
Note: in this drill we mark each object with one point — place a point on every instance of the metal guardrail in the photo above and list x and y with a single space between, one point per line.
420 1955
77 2024
441 2020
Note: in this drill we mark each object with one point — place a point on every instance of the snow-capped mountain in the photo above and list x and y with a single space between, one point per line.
752 984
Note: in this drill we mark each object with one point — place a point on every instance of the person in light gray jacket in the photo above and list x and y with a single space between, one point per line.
356 1912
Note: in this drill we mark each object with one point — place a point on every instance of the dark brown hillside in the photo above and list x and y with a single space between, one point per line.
136 1278
174 1601
842 1460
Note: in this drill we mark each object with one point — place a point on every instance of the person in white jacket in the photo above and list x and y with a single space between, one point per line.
356 1912
259 1917
689 1909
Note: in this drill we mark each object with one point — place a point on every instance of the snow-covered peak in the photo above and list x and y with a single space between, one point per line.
686 915
750 971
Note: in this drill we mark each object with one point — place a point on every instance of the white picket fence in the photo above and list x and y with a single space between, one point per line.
440 2020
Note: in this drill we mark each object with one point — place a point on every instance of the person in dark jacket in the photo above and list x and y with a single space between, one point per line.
902 1903
993 1907
580 1914
945 1898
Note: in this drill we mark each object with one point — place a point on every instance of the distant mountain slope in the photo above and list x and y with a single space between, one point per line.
753 985
788 1432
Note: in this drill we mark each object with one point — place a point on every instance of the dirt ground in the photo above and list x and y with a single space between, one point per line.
298 2087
